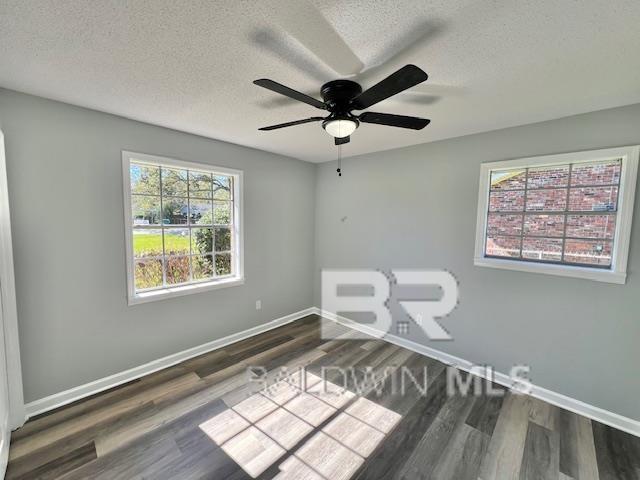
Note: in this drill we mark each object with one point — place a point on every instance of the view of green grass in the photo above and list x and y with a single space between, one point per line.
151 244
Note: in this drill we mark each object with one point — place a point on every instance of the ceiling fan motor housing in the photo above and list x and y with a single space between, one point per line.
338 94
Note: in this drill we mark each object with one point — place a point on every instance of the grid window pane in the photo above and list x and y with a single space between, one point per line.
176 241
201 240
221 213
174 182
148 274
553 200
223 239
504 224
593 199
544 225
200 212
202 267
145 179
222 187
200 185
602 173
509 179
542 249
545 177
147 243
588 252
591 226
503 246
175 211
507 201
178 270
223 264
145 210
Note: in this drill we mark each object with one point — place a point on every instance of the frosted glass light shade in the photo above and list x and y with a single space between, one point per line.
340 128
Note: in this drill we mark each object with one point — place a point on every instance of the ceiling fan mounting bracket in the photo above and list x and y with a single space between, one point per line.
338 94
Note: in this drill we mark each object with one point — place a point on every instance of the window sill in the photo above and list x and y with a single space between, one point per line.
166 293
586 273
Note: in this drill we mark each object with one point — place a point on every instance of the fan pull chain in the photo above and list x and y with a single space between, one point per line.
339 160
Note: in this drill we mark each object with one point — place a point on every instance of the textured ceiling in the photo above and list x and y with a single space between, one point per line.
189 65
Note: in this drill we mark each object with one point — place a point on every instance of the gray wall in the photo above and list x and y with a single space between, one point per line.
408 208
416 208
65 187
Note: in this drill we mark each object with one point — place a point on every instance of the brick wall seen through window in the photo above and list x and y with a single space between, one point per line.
554 214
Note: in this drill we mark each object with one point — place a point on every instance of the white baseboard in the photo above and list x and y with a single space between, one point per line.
601 415
68 396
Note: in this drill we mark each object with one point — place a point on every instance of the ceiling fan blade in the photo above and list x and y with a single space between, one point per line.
305 23
289 92
401 121
290 124
343 140
407 77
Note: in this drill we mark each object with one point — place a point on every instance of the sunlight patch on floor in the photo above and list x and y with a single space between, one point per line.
259 431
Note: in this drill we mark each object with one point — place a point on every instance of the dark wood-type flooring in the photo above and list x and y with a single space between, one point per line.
206 418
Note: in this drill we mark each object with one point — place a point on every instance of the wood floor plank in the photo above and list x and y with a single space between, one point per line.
329 458
617 452
371 370
125 425
97 401
197 464
484 414
210 358
586 450
390 396
276 357
464 455
234 359
95 418
541 459
340 357
49 452
56 467
370 344
353 368
543 413
568 433
506 448
577 450
128 463
433 449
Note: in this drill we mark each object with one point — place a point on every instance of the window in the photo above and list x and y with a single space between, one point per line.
183 227
566 214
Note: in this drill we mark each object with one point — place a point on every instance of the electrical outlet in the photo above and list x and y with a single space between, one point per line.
258 304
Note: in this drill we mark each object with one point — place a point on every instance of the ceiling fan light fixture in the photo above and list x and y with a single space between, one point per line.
340 127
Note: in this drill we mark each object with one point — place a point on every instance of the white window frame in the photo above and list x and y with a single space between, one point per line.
626 196
237 247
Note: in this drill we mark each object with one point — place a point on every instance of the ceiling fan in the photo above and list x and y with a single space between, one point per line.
341 97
